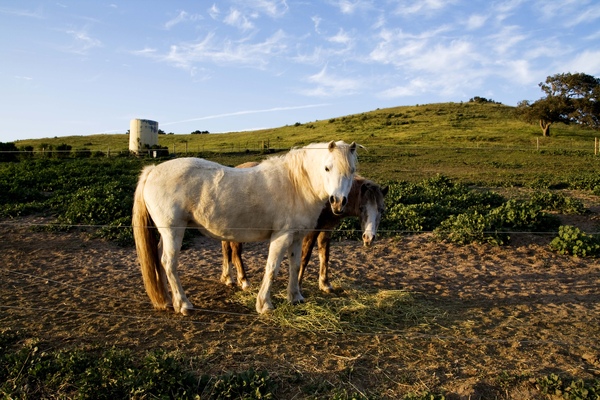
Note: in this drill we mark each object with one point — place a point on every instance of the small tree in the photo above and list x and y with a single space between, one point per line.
570 98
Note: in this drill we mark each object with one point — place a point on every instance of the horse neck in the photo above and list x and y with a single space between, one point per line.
354 197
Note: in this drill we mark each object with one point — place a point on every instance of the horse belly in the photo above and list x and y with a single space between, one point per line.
234 222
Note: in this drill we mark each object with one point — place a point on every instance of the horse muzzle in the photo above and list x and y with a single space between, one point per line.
368 239
338 204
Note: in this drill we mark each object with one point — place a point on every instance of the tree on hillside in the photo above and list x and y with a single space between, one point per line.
570 98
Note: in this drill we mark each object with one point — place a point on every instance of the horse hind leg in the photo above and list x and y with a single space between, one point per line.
162 278
232 256
324 242
227 272
307 246
172 238
236 255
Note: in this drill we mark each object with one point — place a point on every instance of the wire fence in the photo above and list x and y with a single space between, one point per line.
589 146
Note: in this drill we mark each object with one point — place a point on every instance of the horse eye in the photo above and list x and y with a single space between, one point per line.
327 169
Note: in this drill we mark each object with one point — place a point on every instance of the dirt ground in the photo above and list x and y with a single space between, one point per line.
507 315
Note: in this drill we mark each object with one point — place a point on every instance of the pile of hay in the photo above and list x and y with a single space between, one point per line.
349 309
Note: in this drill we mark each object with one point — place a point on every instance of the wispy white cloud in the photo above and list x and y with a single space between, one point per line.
146 51
329 85
587 62
212 49
342 37
476 21
245 13
414 87
38 13
587 16
214 11
237 19
350 7
317 22
82 41
271 8
246 112
399 48
409 8
182 17
506 39
503 9
517 70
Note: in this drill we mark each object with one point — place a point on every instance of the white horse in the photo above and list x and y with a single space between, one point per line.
279 200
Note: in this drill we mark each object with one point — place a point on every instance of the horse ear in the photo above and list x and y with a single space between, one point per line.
384 190
331 145
363 188
352 147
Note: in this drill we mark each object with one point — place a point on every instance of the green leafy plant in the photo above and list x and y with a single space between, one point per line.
29 371
572 240
246 385
569 389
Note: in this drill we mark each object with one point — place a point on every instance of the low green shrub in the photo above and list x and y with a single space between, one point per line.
572 240
550 201
569 389
246 385
470 227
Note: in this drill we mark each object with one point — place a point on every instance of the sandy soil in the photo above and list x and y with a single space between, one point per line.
506 315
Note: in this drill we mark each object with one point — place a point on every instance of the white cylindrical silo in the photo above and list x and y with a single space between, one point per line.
143 134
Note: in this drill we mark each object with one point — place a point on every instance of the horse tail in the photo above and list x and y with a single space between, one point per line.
146 245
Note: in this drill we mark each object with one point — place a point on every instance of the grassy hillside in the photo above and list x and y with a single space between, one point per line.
475 143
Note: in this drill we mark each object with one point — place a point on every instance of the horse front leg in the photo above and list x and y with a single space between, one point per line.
294 255
277 247
172 238
324 243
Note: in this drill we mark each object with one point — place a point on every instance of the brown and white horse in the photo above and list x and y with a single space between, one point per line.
365 200
279 200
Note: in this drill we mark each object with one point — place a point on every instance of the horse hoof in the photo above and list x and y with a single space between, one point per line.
244 285
227 281
327 288
296 302
186 311
162 307
264 308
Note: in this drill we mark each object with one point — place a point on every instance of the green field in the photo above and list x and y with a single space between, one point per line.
481 144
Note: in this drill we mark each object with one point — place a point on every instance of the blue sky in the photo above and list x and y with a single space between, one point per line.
83 67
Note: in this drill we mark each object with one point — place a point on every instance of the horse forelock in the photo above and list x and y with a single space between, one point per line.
346 164
372 193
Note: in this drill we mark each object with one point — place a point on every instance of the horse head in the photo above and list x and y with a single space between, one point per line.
338 169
